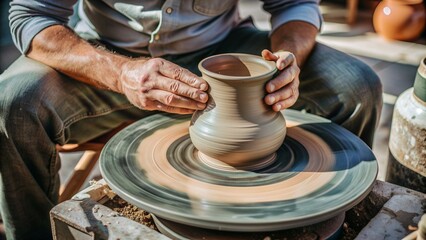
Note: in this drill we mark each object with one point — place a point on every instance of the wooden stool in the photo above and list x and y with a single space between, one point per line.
92 149
352 6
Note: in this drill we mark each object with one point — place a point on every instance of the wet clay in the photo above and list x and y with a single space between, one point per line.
237 127
320 170
152 155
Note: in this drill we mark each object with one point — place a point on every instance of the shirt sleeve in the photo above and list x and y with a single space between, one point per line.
28 18
293 10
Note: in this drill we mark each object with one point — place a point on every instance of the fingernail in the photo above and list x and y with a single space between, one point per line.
277 107
203 96
271 88
282 66
203 86
272 99
201 105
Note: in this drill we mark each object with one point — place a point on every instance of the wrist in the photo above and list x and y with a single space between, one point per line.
130 69
112 67
295 37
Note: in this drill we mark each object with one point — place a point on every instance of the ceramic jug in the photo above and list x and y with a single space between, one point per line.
237 127
407 142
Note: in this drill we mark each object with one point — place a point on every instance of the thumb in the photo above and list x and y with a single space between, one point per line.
268 55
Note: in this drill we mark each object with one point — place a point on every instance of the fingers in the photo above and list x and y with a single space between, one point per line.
165 108
174 100
156 105
180 89
173 71
284 78
285 59
165 101
170 95
283 89
268 55
282 58
285 97
162 85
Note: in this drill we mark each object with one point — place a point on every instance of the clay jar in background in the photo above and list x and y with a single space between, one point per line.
407 140
237 127
400 19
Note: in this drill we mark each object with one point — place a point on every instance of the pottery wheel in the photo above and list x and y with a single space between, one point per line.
328 229
320 171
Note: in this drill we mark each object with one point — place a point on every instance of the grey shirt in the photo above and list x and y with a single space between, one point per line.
152 27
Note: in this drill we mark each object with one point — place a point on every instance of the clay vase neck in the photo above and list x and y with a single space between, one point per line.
420 82
237 127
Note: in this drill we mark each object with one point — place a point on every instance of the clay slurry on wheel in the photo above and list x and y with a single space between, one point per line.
323 170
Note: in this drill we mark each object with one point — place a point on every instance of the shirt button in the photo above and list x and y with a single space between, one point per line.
169 10
157 37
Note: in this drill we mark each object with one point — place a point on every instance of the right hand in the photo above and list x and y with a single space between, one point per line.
283 90
157 84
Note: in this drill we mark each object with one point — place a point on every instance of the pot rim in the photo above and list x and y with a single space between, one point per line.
422 67
251 58
408 2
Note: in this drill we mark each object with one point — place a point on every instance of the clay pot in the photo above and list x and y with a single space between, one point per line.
399 19
407 161
237 127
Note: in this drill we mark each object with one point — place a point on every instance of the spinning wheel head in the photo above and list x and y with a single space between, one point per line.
319 171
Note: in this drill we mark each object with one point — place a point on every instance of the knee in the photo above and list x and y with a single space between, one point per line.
365 85
349 80
18 109
372 82
24 85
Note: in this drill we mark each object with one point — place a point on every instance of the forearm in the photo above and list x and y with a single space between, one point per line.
297 37
150 84
60 48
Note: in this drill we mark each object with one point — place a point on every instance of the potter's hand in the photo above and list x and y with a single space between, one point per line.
157 84
283 90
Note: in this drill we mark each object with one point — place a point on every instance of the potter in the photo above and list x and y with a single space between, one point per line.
237 127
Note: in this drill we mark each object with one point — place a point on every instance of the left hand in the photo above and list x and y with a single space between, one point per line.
283 90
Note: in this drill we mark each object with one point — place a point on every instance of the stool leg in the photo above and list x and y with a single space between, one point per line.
352 11
79 175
